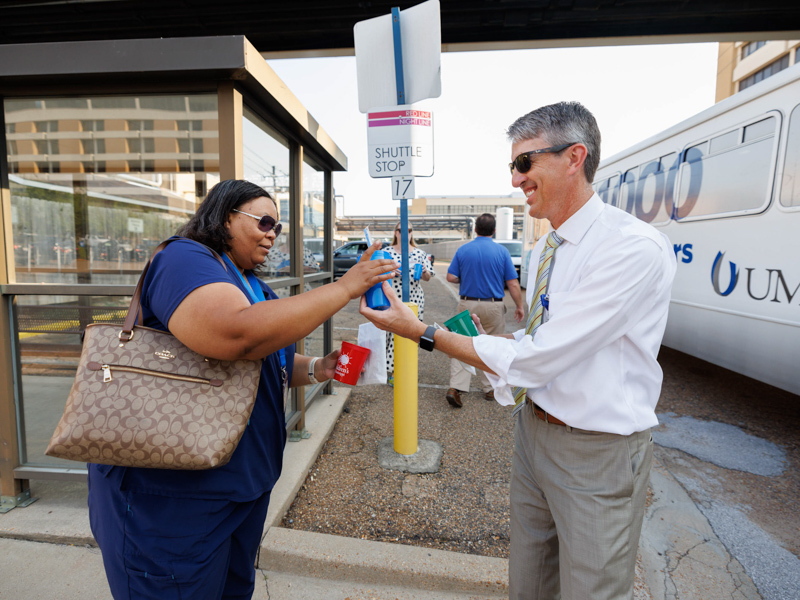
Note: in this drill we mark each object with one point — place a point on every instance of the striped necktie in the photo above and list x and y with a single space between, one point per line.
536 312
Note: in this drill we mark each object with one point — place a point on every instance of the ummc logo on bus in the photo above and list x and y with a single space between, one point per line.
761 284
715 275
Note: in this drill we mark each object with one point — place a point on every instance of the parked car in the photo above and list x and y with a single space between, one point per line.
347 255
514 248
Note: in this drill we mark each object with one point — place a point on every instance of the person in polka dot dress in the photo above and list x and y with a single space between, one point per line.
415 293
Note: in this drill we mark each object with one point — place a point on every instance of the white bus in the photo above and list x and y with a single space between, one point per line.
724 186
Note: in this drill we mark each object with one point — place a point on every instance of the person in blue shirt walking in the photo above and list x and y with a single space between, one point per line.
170 534
482 269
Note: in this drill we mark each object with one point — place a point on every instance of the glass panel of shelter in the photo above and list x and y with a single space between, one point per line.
95 184
266 157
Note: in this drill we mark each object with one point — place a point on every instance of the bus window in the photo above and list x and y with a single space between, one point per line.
650 191
790 189
602 190
759 129
724 141
669 165
627 193
613 189
695 153
607 189
733 181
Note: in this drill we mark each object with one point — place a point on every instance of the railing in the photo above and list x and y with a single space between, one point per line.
45 341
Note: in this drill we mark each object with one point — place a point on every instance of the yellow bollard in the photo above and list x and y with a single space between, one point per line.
405 393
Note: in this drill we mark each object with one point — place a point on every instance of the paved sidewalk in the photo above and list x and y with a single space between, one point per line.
48 551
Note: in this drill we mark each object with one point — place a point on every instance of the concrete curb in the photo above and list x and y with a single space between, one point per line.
337 558
329 557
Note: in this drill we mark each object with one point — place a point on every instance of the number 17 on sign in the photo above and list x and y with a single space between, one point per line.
403 187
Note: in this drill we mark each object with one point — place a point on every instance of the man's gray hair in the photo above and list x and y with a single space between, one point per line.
561 123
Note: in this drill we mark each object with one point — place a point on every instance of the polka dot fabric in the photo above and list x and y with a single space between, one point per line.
415 293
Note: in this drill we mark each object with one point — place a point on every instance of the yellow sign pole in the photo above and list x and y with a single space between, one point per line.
405 393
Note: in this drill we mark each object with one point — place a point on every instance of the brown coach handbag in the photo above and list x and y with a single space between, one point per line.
142 399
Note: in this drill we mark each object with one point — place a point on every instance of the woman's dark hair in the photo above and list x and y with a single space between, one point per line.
207 225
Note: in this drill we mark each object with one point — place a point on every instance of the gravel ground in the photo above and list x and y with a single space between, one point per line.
465 507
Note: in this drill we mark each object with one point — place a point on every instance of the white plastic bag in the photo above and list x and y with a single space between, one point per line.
374 339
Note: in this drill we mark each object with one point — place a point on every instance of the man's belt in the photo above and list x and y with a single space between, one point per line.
481 299
544 415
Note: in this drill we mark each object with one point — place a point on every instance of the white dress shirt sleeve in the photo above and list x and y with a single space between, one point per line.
619 283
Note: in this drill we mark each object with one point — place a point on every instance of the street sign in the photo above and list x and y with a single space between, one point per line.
421 34
400 142
135 225
403 188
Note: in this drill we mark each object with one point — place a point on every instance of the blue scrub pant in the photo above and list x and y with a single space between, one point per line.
162 548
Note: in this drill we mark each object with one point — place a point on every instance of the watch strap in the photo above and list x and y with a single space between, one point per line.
426 341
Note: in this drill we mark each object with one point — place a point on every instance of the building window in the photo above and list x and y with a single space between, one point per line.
768 71
748 49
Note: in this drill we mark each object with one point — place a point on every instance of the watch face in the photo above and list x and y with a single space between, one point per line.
426 341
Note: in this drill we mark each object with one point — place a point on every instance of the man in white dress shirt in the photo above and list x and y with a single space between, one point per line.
582 450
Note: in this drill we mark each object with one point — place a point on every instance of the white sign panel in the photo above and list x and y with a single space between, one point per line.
403 188
135 225
421 35
400 142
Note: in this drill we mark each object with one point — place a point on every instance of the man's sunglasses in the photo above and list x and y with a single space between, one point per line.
265 223
523 162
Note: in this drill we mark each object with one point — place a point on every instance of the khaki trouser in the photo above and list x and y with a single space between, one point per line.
577 504
493 320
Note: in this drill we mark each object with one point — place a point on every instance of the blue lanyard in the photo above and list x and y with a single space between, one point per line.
256 293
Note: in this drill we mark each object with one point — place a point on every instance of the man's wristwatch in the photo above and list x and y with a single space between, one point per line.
311 379
426 341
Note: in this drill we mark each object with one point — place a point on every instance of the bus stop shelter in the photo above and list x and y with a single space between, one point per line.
109 148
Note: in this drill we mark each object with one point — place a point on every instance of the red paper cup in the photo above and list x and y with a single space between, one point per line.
351 361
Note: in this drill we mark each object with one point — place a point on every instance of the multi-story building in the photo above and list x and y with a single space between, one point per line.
742 64
460 205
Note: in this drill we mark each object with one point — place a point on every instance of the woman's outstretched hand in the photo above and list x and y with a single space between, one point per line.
366 272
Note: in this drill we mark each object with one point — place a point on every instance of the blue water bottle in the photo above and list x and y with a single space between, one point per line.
376 299
417 271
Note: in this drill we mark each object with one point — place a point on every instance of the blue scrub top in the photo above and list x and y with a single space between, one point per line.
255 466
483 266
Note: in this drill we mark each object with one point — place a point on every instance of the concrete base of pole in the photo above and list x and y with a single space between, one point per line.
426 459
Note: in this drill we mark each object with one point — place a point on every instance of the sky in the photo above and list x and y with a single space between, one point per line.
634 92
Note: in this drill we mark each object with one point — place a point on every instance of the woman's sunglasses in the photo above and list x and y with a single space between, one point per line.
265 223
523 162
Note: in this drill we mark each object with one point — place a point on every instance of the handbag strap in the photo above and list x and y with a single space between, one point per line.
134 310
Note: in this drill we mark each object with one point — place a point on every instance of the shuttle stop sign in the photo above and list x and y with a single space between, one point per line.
400 142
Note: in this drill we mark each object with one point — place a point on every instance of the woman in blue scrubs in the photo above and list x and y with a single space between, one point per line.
167 534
